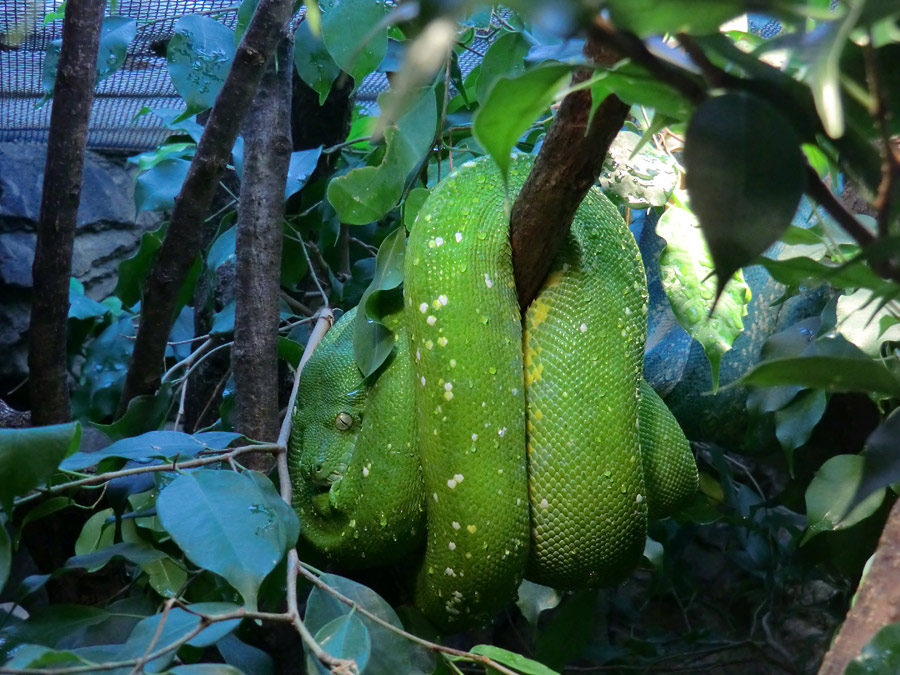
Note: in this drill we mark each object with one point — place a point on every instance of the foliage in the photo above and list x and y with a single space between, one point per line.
198 549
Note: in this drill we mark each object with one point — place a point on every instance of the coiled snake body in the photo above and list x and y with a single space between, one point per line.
505 453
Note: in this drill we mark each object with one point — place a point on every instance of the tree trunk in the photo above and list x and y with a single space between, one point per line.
73 95
566 167
184 234
267 152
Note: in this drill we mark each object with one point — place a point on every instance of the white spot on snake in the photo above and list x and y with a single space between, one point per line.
487 281
639 498
434 494
502 432
455 525
442 341
515 390
431 320
623 333
544 503
429 344
448 386
365 472
453 363
451 546
484 404
442 299
499 472
449 572
418 355
458 237
583 328
422 380
627 311
423 307
448 395
459 478
474 437
451 483
565 267
438 241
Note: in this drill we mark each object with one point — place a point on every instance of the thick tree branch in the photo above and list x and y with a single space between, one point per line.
73 96
566 167
877 600
267 153
184 234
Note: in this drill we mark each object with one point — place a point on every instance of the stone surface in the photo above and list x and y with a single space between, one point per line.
108 231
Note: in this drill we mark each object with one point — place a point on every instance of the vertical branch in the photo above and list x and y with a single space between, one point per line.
184 234
267 153
565 169
73 96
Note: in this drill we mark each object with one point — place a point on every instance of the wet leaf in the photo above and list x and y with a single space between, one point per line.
199 57
880 656
830 495
344 637
313 62
353 35
745 176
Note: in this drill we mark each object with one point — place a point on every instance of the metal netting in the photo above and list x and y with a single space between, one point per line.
142 81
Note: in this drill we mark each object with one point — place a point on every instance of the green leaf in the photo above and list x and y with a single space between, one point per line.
145 413
569 631
355 35
134 270
513 660
372 339
139 554
412 204
367 193
147 160
650 17
511 107
303 163
534 599
745 176
880 656
684 268
235 525
344 637
28 457
390 653
795 422
881 460
634 84
246 657
81 306
832 373
161 444
830 495
866 323
313 62
36 656
156 189
199 57
504 58
244 16
222 249
5 554
166 576
805 273
639 180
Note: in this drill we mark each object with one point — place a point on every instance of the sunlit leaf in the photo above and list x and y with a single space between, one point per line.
745 177
863 320
639 180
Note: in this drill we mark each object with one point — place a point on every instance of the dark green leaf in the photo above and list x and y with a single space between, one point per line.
881 465
504 58
244 15
5 554
116 34
165 576
795 422
745 177
391 653
161 444
367 193
303 163
156 189
344 637
355 35
28 457
684 268
372 339
134 270
412 204
635 85
36 656
806 273
830 495
569 631
199 57
246 657
223 320
145 413
512 106
235 525
222 249
313 62
139 554
832 373
81 306
880 656
290 351
649 17
513 660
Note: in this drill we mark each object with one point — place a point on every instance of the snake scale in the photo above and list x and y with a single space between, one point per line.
503 453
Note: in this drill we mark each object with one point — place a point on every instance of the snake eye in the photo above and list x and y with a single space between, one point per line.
343 421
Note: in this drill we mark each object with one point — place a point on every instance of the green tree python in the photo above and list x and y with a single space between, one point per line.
503 453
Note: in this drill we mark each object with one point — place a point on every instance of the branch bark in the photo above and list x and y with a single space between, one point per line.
184 234
566 167
877 600
267 153
72 99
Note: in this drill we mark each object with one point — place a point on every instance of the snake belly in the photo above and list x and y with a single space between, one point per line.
556 489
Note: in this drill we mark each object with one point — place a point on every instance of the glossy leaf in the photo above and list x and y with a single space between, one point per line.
28 457
650 17
745 176
165 576
367 193
507 658
313 62
145 413
390 653
512 105
880 656
504 58
830 495
156 189
235 525
832 373
162 444
133 270
685 265
795 422
354 35
302 165
805 273
372 339
344 637
412 204
534 599
139 554
199 57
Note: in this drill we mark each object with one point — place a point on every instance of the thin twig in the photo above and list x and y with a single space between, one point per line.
312 271
139 666
344 144
193 356
215 392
